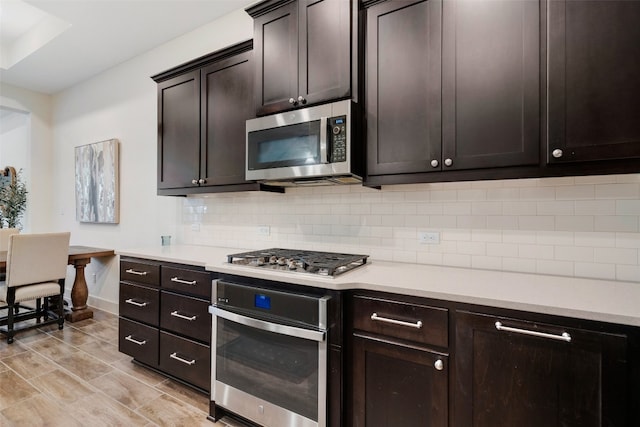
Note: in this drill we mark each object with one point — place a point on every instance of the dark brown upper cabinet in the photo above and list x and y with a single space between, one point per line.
202 109
451 85
593 80
302 52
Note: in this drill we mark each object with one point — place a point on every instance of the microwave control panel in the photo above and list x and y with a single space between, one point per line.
338 144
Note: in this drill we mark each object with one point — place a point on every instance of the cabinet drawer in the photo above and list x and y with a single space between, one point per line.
380 316
186 359
187 281
139 303
140 272
186 316
139 341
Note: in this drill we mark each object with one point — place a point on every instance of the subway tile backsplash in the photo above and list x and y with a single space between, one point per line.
569 226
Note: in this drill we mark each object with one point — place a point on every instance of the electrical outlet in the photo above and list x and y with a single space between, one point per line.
264 230
94 276
429 237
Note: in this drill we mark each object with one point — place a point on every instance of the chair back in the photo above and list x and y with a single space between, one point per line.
4 237
37 257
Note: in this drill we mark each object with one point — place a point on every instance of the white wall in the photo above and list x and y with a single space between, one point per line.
583 226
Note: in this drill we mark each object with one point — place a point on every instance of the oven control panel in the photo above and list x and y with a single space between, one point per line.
338 138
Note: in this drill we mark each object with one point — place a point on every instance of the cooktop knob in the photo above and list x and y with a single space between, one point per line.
282 261
273 259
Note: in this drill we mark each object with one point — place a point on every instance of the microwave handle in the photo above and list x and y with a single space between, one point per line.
324 144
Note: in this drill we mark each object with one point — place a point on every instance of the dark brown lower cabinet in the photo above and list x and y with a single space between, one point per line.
398 385
511 372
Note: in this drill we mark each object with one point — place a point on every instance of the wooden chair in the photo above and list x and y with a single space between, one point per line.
36 270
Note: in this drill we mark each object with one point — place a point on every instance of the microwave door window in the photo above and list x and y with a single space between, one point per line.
293 145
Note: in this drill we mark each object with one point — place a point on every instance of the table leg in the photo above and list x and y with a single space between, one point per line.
79 294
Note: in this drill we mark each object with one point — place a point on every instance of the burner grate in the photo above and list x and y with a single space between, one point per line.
321 263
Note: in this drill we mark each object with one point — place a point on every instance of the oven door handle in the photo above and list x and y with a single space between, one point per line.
291 331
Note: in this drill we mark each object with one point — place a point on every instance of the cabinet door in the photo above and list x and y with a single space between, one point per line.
276 50
511 378
403 101
324 50
179 131
490 83
227 103
396 385
594 80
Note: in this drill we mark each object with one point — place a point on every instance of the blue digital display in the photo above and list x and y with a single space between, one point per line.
262 301
339 121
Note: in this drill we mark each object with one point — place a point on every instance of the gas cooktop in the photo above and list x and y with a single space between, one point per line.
299 261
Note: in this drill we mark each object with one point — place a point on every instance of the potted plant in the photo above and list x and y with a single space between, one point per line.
13 202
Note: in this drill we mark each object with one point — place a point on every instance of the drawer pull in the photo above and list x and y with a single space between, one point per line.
416 325
180 316
184 282
135 341
564 337
136 303
180 359
137 273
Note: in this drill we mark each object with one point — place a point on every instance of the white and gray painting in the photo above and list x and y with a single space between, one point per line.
97 182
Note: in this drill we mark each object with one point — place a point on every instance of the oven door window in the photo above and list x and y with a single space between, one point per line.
279 369
293 145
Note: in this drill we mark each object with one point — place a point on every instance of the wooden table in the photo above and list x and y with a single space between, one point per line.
79 257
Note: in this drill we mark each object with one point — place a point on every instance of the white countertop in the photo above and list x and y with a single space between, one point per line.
601 300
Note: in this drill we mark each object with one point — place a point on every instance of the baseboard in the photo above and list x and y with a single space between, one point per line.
103 304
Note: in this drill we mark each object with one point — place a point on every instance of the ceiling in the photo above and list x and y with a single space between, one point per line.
49 45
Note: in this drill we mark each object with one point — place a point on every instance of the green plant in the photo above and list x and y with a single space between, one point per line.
13 202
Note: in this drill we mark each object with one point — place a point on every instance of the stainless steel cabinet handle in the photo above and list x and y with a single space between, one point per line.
137 273
557 153
301 99
180 359
563 337
434 163
184 282
439 365
448 162
292 101
180 316
416 325
130 338
136 303
194 181
202 181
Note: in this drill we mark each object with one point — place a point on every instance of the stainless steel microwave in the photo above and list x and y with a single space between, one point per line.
310 146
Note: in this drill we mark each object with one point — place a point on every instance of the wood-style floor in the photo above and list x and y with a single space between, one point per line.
77 377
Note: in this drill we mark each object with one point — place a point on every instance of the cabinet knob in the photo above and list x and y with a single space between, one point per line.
439 365
557 153
448 162
434 163
292 101
194 181
202 181
302 100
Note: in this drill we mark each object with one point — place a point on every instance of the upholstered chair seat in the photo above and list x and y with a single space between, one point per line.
36 270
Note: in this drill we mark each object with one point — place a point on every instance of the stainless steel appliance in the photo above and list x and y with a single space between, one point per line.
269 355
312 146
299 261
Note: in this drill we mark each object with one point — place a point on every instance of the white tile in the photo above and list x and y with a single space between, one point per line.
519 208
558 268
628 178
486 262
575 192
595 270
473 221
536 223
627 207
405 209
456 260
382 209
417 221
472 248
595 239
536 251
430 208
595 179
459 208
442 221
554 238
595 207
429 258
556 181
629 273
618 191
502 249
509 236
486 236
616 223
627 240
486 208
555 208
503 194
455 235
360 209
575 223
519 264
444 195
573 253
617 255
405 256
472 194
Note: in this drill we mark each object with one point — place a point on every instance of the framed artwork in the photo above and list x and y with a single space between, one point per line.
97 183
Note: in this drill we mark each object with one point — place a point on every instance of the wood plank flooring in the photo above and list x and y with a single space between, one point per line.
77 377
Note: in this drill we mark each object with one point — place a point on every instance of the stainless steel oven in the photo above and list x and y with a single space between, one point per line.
269 355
